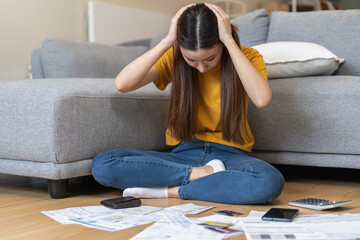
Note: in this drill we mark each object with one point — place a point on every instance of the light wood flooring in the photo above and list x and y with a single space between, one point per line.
22 199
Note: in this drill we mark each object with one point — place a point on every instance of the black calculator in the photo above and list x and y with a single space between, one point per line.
318 204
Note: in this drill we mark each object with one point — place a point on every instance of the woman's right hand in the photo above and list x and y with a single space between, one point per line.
171 36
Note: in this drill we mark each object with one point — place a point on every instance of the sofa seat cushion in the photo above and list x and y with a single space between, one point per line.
310 114
310 159
66 120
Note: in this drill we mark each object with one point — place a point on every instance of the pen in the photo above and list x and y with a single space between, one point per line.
152 212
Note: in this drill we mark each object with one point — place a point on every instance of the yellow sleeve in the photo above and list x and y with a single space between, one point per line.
165 67
256 60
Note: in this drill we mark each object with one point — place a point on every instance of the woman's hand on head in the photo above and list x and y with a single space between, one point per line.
223 23
172 34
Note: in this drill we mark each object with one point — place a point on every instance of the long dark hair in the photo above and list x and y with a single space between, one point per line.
198 29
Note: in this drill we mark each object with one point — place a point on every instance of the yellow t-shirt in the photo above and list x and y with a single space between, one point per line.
208 123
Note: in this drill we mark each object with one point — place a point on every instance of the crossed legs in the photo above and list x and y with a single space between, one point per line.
182 174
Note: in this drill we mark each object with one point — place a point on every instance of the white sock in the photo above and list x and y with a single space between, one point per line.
217 165
159 192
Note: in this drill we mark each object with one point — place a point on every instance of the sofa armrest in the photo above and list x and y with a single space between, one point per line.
65 120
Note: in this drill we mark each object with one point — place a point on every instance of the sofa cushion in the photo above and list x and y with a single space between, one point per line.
67 120
36 65
141 42
155 40
69 59
296 59
309 159
310 114
253 27
338 31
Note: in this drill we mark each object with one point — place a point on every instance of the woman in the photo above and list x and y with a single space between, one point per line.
212 80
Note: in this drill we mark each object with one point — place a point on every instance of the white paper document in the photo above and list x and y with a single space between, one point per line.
175 225
320 226
190 208
108 219
63 216
104 218
121 219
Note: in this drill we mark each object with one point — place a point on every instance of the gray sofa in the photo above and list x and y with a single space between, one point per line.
53 125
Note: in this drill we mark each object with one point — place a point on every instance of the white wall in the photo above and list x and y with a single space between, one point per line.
113 23
24 24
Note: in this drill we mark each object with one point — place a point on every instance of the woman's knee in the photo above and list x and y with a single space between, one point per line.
108 168
269 181
260 186
258 191
106 159
99 166
264 182
273 183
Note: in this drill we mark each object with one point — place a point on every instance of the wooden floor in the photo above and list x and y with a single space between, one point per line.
22 199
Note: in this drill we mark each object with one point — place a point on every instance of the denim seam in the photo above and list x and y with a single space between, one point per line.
186 179
169 156
222 172
203 158
147 163
181 195
180 192
134 161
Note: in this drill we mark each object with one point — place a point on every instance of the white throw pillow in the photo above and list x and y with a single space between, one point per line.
297 59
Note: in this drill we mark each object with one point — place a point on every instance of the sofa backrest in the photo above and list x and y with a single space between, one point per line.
36 65
60 58
339 31
253 27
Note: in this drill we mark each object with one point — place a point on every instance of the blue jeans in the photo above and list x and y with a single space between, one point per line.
247 180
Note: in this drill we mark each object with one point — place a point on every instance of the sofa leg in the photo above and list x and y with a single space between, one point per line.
57 188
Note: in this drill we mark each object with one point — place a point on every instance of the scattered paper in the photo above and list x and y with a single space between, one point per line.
175 225
108 219
190 208
63 216
171 223
121 219
318 226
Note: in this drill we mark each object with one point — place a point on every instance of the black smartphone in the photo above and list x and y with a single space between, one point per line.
121 202
280 214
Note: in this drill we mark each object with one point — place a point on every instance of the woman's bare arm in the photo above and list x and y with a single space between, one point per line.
255 85
141 71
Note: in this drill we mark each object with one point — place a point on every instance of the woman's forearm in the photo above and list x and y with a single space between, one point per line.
136 74
141 71
255 85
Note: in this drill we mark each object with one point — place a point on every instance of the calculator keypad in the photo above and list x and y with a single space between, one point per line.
315 201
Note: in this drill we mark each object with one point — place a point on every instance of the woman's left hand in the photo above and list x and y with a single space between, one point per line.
223 23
